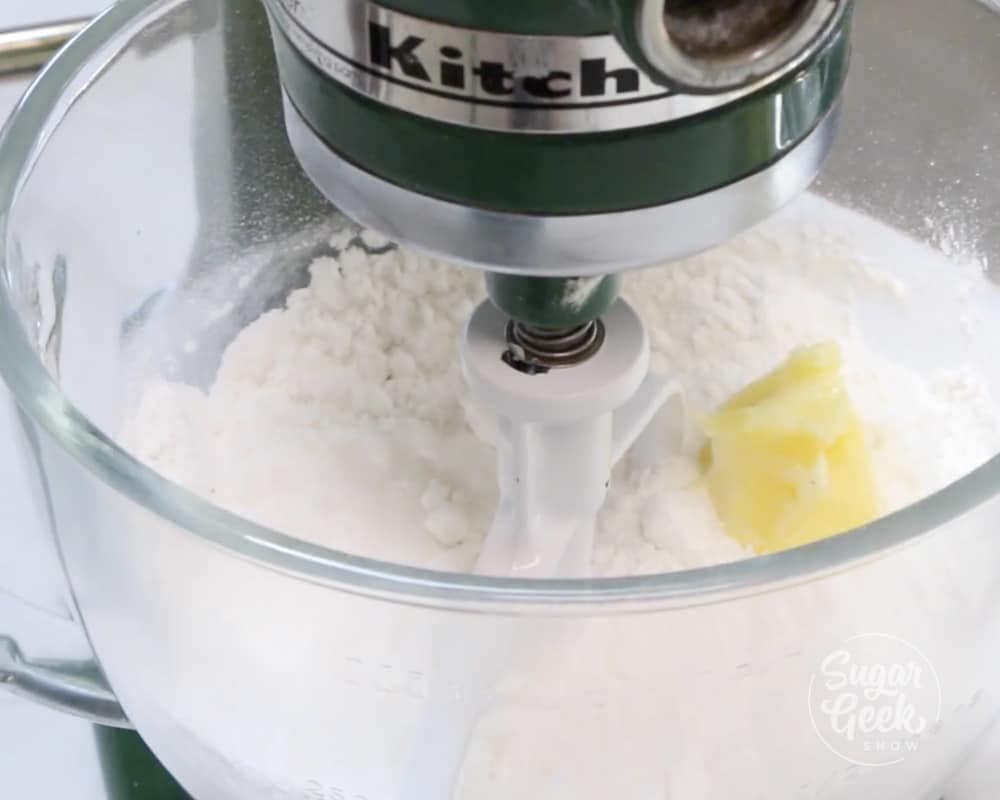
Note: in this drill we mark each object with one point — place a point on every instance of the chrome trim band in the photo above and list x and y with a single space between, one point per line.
559 246
481 79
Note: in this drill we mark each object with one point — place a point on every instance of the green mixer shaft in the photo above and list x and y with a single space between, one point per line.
553 302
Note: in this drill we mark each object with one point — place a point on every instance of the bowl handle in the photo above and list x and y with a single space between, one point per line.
76 687
34 591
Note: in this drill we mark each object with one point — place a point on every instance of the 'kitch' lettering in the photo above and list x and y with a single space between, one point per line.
447 67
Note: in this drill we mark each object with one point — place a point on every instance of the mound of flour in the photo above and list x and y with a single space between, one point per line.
342 418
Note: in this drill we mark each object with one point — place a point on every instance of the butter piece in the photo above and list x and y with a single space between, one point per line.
787 459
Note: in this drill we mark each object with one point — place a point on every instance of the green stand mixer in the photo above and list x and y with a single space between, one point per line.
561 141
554 146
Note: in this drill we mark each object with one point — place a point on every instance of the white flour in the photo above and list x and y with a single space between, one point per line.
340 419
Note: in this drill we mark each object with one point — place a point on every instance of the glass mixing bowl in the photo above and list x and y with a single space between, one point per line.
143 178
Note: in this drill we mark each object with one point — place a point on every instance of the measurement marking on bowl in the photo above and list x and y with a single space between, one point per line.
317 790
385 678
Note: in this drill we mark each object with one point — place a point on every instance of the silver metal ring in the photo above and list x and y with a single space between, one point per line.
558 246
690 73
482 79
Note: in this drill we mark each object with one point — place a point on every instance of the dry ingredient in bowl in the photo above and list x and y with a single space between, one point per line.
342 419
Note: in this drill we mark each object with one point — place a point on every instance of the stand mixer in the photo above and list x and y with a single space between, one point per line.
148 198
555 148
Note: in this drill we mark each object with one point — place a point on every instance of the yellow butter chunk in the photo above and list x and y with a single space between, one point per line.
787 461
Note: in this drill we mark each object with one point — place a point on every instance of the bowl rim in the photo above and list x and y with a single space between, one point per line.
22 140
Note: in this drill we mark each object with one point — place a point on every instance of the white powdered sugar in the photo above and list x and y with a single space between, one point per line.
342 418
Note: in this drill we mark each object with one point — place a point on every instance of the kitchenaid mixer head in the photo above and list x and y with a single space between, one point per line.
560 139
555 146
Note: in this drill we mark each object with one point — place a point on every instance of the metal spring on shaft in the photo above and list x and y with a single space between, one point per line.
533 349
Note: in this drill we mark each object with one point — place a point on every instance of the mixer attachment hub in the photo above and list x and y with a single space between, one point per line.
560 430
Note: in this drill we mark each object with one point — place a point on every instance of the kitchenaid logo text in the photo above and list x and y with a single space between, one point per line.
873 699
446 67
479 78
